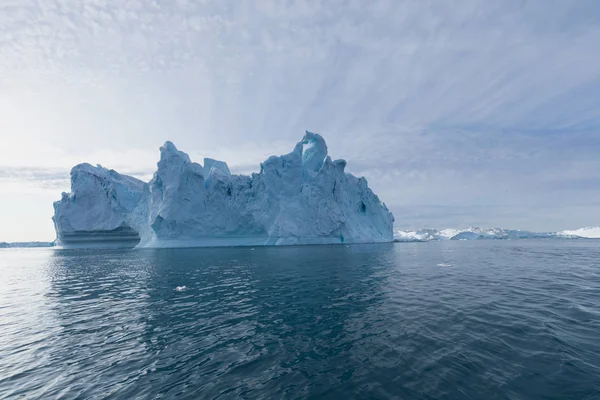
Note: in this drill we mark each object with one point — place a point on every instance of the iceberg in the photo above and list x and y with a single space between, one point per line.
476 233
12 245
303 197
587 233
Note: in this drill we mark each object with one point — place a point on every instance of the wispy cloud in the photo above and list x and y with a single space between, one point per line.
486 103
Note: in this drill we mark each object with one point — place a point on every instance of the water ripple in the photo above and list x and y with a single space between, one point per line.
493 320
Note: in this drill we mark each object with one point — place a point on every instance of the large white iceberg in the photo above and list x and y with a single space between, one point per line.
299 198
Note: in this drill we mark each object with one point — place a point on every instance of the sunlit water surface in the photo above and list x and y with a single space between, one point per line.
445 320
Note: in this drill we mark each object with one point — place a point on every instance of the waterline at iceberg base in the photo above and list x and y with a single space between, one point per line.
303 197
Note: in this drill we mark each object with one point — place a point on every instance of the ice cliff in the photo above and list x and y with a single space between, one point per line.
302 197
98 210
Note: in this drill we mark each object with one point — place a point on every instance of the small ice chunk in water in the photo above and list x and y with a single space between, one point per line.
444 265
180 288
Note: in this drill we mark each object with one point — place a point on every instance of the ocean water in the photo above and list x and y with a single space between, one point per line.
440 320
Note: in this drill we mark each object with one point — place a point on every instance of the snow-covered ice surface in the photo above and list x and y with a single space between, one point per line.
589 233
302 197
474 233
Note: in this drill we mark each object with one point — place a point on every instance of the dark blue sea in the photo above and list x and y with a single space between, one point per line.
440 320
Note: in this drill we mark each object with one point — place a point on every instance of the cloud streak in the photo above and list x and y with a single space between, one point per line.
486 104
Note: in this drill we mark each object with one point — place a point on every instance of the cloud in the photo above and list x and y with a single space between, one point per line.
483 104
37 174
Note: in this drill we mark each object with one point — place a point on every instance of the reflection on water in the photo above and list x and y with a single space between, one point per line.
496 320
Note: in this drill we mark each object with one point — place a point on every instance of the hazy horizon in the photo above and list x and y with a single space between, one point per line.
479 115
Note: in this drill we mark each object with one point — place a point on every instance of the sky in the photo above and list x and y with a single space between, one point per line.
467 113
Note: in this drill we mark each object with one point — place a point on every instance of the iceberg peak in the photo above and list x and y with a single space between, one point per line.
168 151
210 163
314 151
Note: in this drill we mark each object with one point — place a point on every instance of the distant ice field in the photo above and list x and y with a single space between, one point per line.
426 235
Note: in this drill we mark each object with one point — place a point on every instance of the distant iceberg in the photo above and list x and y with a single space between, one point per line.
475 233
12 245
588 233
303 197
